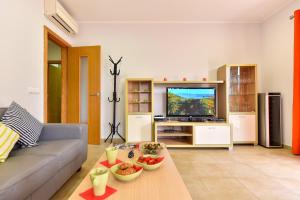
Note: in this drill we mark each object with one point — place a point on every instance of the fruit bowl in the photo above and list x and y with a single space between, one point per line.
150 162
126 178
151 148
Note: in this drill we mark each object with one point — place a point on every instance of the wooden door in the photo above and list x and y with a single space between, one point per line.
83 83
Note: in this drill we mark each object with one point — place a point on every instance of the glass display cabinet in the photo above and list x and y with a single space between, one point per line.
242 89
241 98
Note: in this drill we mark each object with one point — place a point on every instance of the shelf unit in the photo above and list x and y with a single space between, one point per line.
193 134
189 82
240 96
174 134
138 109
235 103
184 134
139 95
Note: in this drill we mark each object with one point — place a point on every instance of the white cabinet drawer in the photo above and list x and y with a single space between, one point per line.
139 128
243 128
212 135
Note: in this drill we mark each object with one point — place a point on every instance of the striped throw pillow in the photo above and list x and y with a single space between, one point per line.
8 139
22 122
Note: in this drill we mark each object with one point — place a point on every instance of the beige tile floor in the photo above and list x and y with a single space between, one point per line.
246 173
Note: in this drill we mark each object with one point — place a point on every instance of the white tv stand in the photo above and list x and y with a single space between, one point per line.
193 134
143 96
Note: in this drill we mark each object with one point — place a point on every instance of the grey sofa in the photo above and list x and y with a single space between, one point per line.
37 173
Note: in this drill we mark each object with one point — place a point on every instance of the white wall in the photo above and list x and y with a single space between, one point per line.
277 68
22 52
173 50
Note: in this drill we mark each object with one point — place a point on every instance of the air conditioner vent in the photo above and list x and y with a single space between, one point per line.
59 16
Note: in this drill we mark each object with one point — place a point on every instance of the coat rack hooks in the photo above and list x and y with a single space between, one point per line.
114 129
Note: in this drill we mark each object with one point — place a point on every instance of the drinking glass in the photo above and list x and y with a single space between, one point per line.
99 177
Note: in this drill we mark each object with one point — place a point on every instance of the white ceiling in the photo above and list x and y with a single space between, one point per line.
173 10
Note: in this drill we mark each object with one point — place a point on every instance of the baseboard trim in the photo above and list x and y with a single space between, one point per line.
115 141
287 147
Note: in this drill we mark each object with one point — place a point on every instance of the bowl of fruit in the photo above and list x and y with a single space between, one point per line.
126 171
151 148
150 162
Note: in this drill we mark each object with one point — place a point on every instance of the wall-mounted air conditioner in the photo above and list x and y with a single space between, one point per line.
58 15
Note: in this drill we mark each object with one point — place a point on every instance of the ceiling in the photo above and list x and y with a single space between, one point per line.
173 10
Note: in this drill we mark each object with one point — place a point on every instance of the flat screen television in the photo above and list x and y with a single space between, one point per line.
191 102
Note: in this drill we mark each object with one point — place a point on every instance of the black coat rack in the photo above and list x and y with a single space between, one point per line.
114 129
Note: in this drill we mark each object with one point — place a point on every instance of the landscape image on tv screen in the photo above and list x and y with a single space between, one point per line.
191 101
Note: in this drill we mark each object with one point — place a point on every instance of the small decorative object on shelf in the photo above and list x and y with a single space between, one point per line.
184 79
204 79
114 128
165 79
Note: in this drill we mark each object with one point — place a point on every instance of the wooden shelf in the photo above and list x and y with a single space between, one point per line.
188 82
173 134
139 102
245 83
139 113
139 91
175 142
243 113
241 94
139 95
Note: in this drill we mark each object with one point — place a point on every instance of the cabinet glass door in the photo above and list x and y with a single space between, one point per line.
242 91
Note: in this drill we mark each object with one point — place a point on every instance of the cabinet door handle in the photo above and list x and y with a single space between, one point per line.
139 117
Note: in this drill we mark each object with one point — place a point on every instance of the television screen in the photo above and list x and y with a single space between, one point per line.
191 102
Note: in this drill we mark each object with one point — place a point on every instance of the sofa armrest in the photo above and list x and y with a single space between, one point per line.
64 131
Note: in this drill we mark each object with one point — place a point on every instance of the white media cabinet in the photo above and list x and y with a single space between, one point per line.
193 134
236 102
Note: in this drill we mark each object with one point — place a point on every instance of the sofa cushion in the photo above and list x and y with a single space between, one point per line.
8 138
21 121
21 175
64 150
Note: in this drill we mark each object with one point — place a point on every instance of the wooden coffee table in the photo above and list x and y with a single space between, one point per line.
164 183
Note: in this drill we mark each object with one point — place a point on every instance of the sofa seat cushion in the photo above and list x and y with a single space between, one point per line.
21 175
64 150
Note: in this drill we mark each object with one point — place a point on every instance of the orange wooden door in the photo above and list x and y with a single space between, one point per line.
83 89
